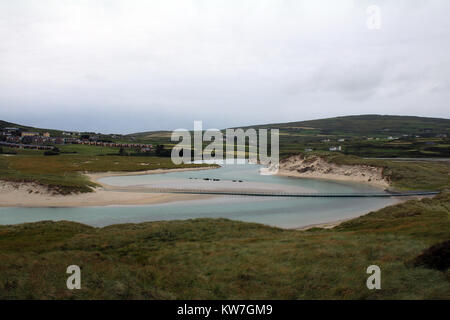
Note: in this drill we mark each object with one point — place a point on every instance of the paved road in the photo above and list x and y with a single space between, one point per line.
415 159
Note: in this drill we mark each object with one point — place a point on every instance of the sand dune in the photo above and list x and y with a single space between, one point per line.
318 168
14 194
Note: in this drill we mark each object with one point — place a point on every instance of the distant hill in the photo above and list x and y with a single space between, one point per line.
150 134
5 124
361 125
367 125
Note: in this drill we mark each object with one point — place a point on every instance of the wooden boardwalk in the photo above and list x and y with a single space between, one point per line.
292 195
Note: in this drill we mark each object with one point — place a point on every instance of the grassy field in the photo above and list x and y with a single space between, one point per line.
223 259
62 173
364 136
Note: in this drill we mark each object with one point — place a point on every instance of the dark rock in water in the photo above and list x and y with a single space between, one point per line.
234 180
302 170
207 179
216 179
240 180
435 257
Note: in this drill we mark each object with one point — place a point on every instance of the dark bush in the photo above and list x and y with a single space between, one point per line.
51 153
436 257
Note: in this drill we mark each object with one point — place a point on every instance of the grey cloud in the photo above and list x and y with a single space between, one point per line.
149 65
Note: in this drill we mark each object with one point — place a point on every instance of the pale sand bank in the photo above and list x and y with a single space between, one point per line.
317 168
327 225
33 195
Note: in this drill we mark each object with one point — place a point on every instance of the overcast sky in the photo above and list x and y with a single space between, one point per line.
132 65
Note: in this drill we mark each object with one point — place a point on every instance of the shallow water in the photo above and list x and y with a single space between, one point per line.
274 211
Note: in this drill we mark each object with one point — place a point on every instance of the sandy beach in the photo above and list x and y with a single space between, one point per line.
14 194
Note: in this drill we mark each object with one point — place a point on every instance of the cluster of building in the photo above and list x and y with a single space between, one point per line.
25 146
338 148
407 136
140 146
19 138
328 140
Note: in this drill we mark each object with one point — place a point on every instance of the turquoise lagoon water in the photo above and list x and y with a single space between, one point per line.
274 211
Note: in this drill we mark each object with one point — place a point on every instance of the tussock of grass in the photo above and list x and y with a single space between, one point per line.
223 259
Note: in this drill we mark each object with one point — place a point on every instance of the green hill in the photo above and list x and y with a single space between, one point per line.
6 124
367 136
364 125
360 135
360 125
346 126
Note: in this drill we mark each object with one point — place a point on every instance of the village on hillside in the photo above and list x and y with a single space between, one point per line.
19 138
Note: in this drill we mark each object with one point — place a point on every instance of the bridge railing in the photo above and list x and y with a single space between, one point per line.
290 194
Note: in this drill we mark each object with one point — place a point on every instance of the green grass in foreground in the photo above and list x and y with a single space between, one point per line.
223 259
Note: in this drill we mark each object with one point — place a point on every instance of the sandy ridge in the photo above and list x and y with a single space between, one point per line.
318 168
